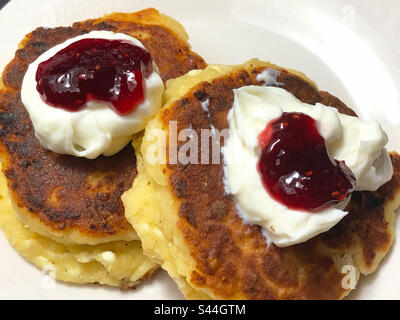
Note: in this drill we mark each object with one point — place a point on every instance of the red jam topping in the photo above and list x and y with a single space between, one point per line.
295 167
95 69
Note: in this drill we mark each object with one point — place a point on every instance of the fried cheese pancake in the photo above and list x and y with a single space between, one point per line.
190 225
69 199
116 263
64 213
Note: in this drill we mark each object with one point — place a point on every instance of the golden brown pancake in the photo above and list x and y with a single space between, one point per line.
115 263
190 225
70 199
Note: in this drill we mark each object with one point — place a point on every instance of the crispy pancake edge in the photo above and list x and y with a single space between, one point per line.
168 44
117 263
206 259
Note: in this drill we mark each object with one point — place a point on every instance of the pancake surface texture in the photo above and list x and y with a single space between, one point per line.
116 263
72 205
189 224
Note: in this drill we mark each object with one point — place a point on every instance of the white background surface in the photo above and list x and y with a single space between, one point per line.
349 48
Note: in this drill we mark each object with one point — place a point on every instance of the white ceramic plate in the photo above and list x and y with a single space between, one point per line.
349 48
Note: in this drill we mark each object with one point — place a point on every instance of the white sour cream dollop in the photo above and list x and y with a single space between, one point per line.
95 129
361 144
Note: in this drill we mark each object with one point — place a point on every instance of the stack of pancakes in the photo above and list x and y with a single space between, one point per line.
189 225
85 217
65 213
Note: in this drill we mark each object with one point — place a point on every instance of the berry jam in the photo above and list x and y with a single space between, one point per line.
295 167
95 69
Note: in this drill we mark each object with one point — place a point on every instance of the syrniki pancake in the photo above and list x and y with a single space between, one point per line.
189 224
71 205
116 263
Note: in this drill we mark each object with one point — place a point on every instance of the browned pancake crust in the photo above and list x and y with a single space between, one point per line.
232 257
66 192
